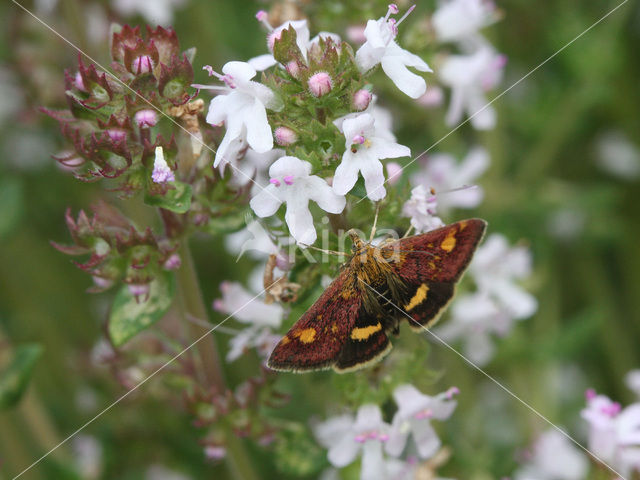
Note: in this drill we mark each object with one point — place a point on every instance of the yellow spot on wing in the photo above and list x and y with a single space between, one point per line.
418 298
307 335
463 224
365 332
449 241
285 340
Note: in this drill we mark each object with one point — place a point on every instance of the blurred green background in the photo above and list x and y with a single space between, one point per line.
548 186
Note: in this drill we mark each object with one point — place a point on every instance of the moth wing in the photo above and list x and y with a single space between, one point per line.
431 264
314 342
367 343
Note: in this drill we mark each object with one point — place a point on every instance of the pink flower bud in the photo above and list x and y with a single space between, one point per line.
361 99
80 83
320 84
116 134
433 97
293 69
285 136
102 282
215 452
394 173
145 118
138 290
142 64
173 262
355 33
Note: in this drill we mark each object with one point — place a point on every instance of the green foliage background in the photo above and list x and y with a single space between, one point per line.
543 159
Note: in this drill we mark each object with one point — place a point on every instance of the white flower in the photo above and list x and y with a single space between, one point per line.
291 183
381 48
497 303
554 457
346 439
614 433
415 411
495 266
161 171
87 453
421 208
443 173
261 317
632 379
160 472
243 109
382 117
364 149
158 12
458 20
250 165
618 156
469 77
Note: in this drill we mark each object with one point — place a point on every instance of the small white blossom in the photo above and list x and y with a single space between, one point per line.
497 303
242 109
618 156
87 456
614 432
554 457
460 20
291 183
347 438
443 173
261 317
414 415
469 77
364 149
158 12
381 48
421 209
161 171
632 379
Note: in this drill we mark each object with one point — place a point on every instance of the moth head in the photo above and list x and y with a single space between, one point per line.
358 244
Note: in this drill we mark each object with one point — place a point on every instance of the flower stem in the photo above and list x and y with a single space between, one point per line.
192 303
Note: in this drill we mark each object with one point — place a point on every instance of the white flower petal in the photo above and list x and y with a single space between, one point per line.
333 429
262 62
240 71
386 149
346 175
373 174
326 198
288 165
259 134
300 222
368 417
266 202
425 436
410 400
398 436
372 462
217 112
343 452
407 82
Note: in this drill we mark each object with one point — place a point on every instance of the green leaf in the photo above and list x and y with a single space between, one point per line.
177 199
129 317
15 378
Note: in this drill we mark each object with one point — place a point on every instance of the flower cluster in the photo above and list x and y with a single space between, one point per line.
369 435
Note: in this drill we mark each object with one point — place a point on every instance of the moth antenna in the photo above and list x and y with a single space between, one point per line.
452 190
375 222
408 232
331 252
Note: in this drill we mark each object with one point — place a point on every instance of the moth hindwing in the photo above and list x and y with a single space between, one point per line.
410 279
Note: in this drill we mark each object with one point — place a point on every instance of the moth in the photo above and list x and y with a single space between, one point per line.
411 279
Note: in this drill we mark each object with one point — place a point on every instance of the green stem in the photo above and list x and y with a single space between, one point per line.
192 303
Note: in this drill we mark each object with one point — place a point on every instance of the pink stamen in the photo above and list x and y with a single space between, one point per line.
393 8
263 18
411 8
393 25
228 79
275 181
452 391
360 438
612 409
590 394
358 140
288 179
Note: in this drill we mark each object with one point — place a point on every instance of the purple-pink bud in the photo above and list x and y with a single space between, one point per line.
173 262
293 69
361 99
142 64
138 290
116 134
145 118
394 173
285 136
80 83
320 84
